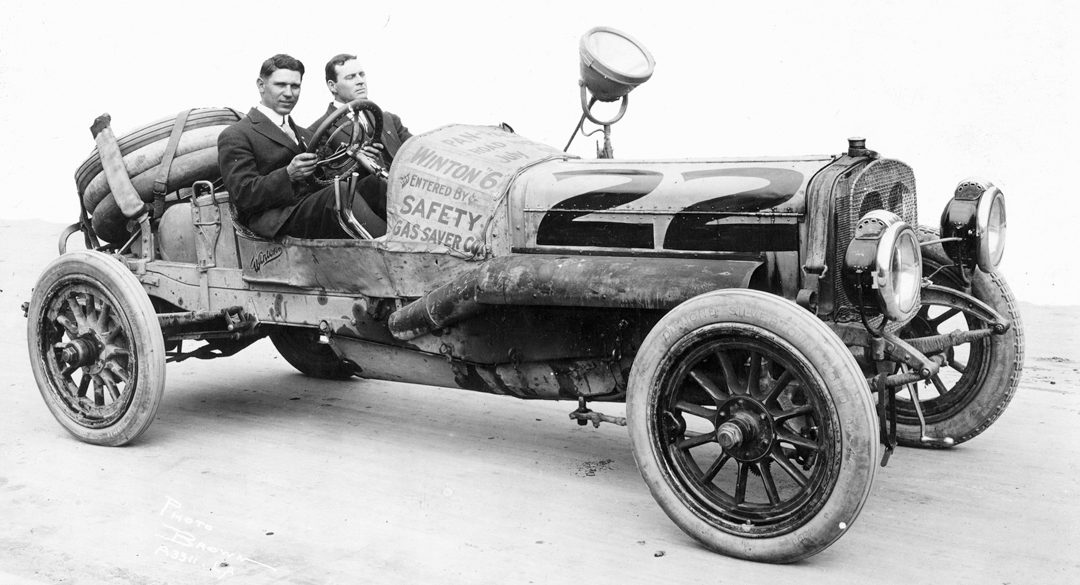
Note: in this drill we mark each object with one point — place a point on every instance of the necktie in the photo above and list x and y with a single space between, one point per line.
361 118
287 128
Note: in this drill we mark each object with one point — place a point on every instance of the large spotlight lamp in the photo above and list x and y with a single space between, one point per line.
612 64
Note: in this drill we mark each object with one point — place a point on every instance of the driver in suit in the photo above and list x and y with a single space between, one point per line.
268 172
347 81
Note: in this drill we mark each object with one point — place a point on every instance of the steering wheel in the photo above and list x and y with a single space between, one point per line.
340 140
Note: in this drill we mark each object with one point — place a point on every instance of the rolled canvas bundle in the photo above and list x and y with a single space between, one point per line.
157 153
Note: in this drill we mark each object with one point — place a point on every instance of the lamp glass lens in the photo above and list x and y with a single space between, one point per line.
906 271
995 230
619 54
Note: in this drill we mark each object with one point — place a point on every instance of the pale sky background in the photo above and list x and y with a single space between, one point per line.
955 89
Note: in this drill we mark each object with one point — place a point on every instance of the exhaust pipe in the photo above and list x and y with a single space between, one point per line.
625 282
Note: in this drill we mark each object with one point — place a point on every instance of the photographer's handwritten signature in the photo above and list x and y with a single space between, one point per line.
185 540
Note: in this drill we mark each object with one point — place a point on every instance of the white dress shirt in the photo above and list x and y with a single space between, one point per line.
281 121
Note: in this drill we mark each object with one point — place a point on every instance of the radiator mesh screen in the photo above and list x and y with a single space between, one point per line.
882 184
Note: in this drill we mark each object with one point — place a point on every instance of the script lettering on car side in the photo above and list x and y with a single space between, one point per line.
262 257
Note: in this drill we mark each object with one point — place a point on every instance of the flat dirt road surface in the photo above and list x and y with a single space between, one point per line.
253 473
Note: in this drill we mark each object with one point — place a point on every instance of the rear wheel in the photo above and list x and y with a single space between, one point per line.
96 348
979 378
752 425
301 348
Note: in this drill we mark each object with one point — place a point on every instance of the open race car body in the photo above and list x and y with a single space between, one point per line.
482 221
768 321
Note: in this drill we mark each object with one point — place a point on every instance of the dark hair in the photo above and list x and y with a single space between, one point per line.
335 62
280 61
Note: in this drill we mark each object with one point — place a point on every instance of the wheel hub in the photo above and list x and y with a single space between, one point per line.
79 352
744 428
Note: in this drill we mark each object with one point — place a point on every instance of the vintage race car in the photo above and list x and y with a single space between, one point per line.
774 325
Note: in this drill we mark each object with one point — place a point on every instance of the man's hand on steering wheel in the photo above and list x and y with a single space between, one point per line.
374 150
337 159
301 166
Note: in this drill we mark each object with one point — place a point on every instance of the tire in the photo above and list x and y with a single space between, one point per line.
971 398
301 348
680 402
157 131
96 348
195 159
110 223
142 151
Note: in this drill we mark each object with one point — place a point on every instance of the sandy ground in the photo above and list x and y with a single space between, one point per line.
255 474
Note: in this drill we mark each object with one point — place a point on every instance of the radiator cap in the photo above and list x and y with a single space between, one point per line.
857 146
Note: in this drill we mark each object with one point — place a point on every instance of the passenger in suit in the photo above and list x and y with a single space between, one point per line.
268 173
347 81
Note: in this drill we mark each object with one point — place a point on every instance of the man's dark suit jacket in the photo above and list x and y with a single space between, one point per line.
253 154
394 133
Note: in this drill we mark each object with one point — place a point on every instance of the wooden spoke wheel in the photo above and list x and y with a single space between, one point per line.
96 348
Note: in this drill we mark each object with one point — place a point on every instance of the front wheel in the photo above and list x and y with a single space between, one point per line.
96 348
979 378
752 425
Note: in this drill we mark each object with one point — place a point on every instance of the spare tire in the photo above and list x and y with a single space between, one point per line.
158 131
195 159
143 165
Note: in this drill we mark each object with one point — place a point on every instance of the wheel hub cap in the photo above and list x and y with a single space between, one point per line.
79 352
744 429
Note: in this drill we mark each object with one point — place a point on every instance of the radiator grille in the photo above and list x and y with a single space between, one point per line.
882 184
